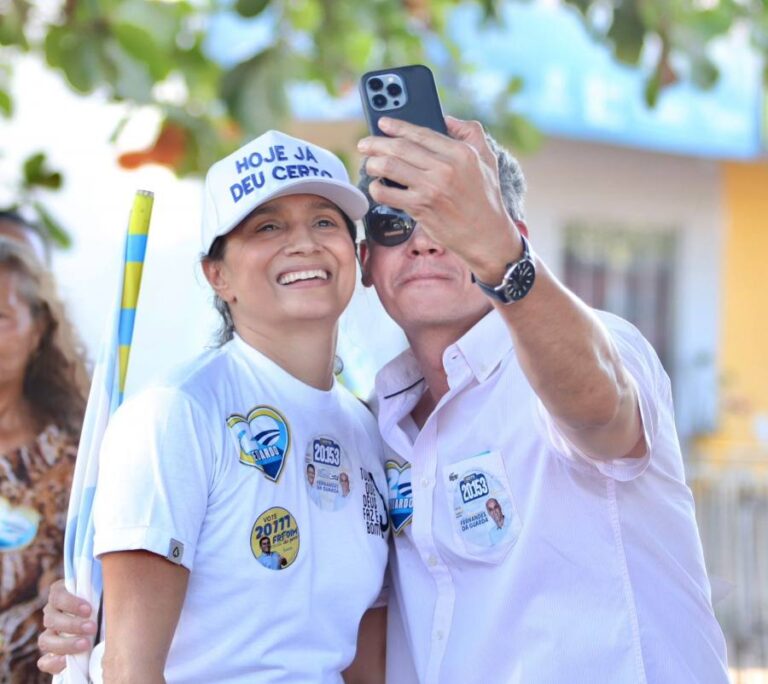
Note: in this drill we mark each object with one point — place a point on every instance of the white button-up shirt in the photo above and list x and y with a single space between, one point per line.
520 560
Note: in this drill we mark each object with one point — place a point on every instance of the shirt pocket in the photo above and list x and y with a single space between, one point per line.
484 518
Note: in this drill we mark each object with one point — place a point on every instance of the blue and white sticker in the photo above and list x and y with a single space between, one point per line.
18 526
263 438
328 473
484 514
400 494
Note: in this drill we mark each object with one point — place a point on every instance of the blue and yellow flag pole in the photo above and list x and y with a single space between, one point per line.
135 251
82 571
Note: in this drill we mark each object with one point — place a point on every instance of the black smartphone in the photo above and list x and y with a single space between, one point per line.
408 93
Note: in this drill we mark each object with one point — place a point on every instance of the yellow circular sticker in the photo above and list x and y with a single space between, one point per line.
275 539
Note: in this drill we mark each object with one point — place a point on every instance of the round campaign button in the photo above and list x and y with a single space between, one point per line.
275 538
328 473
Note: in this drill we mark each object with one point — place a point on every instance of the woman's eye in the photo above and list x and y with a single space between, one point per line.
267 228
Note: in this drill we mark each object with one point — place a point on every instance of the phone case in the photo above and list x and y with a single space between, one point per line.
423 104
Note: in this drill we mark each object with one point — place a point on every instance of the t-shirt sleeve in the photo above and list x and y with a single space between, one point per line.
654 398
155 473
382 600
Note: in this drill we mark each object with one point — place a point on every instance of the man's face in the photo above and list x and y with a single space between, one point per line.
265 544
423 286
344 481
494 510
311 475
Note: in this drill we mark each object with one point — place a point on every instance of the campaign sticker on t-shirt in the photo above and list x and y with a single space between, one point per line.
374 507
263 438
483 510
400 494
275 539
328 473
18 525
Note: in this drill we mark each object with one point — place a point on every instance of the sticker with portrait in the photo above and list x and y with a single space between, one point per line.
484 516
275 539
328 473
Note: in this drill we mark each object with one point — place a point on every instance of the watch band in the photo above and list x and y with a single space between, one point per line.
518 278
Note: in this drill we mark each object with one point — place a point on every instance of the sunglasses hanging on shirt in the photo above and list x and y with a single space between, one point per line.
388 226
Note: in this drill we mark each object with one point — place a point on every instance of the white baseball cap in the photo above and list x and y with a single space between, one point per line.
273 165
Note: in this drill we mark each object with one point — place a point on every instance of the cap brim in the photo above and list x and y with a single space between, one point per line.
345 196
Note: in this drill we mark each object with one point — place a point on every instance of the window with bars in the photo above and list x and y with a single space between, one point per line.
627 270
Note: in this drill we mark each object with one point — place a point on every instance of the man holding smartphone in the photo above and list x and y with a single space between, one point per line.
515 394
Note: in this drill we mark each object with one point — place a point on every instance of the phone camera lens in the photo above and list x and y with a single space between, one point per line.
394 89
375 84
379 100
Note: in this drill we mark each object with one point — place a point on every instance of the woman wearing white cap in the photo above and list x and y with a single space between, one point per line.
222 562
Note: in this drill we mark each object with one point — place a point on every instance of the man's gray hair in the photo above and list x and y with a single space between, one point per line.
511 179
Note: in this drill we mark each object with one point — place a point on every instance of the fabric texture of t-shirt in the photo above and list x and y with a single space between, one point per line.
203 467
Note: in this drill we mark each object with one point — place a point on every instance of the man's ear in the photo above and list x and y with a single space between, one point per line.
522 227
214 274
365 263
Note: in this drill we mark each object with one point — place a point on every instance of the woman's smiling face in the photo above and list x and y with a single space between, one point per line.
291 261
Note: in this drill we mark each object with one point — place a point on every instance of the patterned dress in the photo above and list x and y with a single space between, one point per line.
34 491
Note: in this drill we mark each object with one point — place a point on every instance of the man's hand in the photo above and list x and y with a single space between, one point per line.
452 189
68 628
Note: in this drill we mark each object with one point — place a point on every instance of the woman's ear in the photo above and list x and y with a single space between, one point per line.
215 275
365 263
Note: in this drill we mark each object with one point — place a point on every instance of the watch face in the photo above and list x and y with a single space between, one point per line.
520 280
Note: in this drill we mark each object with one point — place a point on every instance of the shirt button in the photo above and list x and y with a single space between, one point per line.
432 561
439 634
425 482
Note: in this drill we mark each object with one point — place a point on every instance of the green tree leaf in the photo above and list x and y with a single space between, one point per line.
140 45
6 103
57 233
251 8
37 174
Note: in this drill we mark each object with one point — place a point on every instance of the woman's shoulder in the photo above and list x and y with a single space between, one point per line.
191 381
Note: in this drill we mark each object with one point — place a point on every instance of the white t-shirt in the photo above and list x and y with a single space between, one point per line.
210 470
596 574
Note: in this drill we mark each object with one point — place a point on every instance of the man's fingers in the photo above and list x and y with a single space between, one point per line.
50 663
52 643
60 599
472 133
391 196
468 131
394 169
395 129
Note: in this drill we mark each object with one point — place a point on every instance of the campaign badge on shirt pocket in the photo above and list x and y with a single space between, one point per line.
328 474
485 520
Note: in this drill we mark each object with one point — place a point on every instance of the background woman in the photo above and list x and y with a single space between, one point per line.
43 385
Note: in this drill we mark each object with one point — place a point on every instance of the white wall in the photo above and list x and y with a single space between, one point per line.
571 180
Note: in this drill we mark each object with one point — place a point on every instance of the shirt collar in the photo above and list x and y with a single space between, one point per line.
482 347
